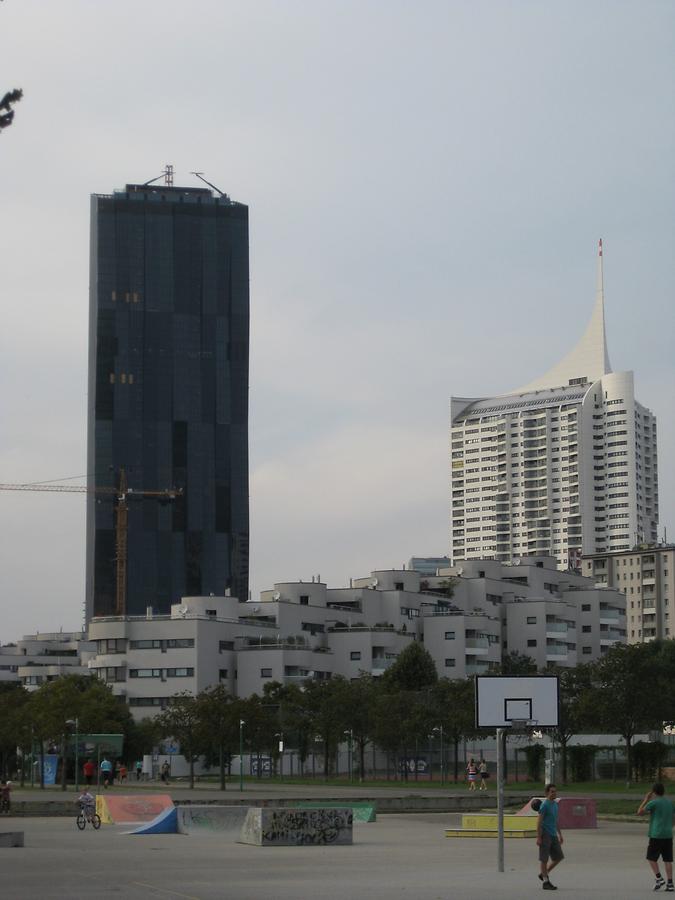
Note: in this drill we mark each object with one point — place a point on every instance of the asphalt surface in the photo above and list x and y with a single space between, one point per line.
399 856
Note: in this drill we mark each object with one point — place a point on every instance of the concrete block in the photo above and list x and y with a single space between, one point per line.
11 838
278 827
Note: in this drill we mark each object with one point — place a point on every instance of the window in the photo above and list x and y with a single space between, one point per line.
585 607
114 645
211 613
586 650
532 642
145 645
145 673
355 654
180 642
586 629
398 585
265 673
304 599
222 674
180 673
449 663
531 620
449 635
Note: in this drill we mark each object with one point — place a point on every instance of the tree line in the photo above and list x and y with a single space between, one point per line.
627 692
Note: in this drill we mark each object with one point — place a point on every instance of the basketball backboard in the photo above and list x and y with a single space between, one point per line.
503 699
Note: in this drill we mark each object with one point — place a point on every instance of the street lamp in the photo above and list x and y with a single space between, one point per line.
241 754
439 731
280 735
76 723
350 735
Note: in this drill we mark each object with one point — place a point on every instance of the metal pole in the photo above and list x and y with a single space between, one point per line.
77 756
442 756
241 754
500 799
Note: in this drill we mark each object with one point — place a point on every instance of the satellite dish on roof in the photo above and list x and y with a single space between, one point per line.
276 595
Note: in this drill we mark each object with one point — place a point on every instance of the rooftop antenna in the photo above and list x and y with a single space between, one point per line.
201 178
167 175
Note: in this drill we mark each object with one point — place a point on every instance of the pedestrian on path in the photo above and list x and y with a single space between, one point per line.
484 774
660 809
549 838
472 772
106 770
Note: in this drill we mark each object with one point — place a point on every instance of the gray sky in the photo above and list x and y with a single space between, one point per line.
427 183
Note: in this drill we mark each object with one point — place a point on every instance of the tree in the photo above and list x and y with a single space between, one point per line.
328 703
13 699
219 724
180 720
413 670
625 695
573 685
515 663
454 704
360 696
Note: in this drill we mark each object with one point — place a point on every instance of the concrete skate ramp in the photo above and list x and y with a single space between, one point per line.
131 808
573 812
282 827
199 819
165 823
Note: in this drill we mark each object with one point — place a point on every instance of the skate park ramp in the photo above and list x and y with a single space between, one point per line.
131 809
573 812
165 823
208 818
362 812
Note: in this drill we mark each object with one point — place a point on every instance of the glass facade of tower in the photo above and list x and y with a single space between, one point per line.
168 395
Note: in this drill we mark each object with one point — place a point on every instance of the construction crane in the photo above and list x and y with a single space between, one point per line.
121 493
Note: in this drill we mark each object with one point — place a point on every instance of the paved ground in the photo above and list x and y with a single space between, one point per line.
399 856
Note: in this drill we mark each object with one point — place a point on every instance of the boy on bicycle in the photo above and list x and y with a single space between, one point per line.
87 802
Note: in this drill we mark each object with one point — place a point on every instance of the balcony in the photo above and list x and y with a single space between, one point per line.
608 615
477 645
556 627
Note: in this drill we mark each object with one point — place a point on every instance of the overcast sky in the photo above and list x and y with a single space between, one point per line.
427 183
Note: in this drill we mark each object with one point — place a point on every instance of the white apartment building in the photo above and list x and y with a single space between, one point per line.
38 658
304 630
565 466
645 575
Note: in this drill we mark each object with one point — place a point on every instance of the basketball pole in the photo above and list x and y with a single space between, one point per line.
501 734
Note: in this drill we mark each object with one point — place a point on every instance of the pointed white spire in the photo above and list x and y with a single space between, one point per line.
589 359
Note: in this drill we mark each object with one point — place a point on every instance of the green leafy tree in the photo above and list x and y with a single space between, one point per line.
413 670
180 720
219 724
13 700
328 702
515 663
625 695
360 698
573 709
454 705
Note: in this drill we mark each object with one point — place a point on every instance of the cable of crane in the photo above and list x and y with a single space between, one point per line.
54 480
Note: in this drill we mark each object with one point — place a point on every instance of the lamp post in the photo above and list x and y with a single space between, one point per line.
439 732
350 735
241 754
76 723
280 735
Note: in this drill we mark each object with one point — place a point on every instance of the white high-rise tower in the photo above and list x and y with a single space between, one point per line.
563 466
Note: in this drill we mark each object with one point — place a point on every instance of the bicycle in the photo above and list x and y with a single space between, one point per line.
88 815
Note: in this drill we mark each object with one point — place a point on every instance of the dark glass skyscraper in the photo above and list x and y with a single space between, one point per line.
168 395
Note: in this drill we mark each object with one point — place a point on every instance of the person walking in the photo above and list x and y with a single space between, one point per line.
660 810
472 772
106 770
549 838
88 771
139 769
484 774
166 771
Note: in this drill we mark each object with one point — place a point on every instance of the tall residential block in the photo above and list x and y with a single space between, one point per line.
563 466
168 397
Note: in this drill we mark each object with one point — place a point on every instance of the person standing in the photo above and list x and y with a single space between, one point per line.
106 769
549 838
88 771
660 810
472 772
139 769
484 774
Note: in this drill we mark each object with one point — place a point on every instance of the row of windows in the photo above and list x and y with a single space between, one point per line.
184 672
